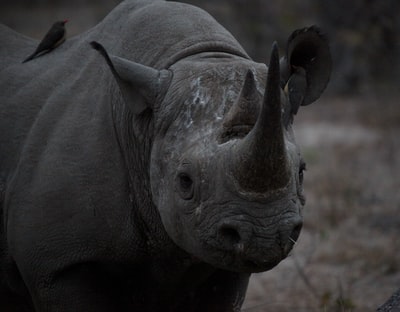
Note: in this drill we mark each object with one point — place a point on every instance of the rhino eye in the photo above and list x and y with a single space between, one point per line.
185 186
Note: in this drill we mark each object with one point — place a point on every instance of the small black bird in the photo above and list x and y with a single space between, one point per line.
54 37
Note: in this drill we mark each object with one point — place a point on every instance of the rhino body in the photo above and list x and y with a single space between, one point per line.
154 178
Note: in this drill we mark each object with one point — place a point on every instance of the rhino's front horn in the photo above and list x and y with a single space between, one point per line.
140 85
260 162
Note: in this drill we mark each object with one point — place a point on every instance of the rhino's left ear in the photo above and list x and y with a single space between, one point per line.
306 67
140 85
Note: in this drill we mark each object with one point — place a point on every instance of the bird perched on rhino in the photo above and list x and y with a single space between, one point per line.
54 37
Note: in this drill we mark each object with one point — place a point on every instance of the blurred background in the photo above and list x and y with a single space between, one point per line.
347 257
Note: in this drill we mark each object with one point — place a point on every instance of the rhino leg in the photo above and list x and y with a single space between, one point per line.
82 287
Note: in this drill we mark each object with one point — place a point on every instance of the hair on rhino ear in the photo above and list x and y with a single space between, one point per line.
140 85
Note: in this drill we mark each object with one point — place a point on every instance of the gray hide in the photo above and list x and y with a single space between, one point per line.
156 177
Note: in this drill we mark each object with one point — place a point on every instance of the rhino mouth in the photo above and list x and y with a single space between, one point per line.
256 267
236 256
249 262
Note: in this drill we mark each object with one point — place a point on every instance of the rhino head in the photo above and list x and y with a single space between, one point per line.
226 173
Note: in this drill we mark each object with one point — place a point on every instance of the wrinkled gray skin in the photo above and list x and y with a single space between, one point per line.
148 188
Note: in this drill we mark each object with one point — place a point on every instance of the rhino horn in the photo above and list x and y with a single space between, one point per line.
140 85
260 161
244 111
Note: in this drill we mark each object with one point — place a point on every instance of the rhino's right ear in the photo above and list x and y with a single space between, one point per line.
140 85
306 67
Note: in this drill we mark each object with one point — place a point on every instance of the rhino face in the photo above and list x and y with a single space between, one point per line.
221 201
226 174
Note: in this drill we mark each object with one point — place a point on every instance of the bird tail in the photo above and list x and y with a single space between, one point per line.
30 57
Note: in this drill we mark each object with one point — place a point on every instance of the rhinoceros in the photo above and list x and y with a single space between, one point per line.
154 172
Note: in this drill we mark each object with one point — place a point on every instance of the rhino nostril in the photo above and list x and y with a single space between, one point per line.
229 234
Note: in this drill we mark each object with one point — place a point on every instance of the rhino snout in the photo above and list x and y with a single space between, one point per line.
254 247
234 235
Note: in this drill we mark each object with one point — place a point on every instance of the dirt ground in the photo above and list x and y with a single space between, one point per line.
347 257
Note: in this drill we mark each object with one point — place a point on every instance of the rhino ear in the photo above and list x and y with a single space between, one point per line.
306 67
140 85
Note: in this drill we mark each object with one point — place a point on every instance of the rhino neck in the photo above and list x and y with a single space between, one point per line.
134 134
